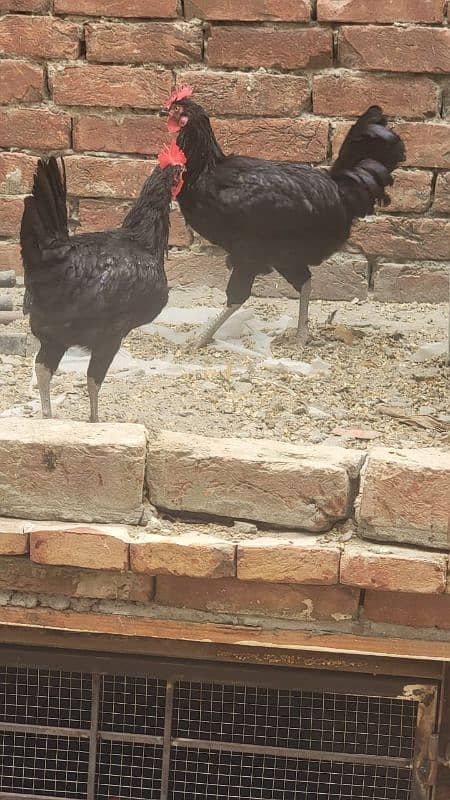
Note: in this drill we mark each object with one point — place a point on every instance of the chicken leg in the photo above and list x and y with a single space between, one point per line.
45 366
101 359
208 334
302 327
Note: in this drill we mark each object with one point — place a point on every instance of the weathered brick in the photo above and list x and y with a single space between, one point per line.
192 555
71 470
23 575
344 93
230 596
396 569
118 8
411 191
395 49
197 267
428 611
41 37
95 85
161 42
34 128
249 10
277 483
16 172
405 496
423 282
20 81
301 559
248 93
100 215
407 238
88 176
247 46
34 6
10 258
442 193
79 546
380 10
13 539
299 139
125 134
11 210
426 142
344 276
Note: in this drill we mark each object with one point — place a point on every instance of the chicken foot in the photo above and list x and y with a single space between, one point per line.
302 327
208 334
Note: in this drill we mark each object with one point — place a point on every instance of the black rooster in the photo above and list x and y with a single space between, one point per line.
92 289
278 214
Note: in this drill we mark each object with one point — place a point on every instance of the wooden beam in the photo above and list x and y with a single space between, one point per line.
239 635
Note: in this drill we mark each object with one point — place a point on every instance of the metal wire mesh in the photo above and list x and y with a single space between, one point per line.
133 705
213 774
45 697
127 770
39 764
295 719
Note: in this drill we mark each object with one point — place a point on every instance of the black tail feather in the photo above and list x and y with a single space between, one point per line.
44 220
370 153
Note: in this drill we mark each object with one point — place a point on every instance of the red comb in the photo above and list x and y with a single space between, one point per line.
171 155
178 93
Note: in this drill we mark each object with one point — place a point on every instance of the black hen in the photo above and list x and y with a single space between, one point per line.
91 289
278 214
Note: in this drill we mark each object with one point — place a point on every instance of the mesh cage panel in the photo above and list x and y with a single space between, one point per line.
212 774
295 719
133 705
52 765
45 697
129 771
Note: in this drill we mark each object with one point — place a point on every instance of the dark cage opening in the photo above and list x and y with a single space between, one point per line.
99 728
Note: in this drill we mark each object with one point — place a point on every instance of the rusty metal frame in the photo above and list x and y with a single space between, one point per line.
424 693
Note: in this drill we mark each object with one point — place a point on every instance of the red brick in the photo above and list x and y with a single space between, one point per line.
291 48
160 42
88 176
11 210
23 575
411 191
99 215
426 611
16 173
393 568
426 142
34 6
403 237
442 193
294 140
414 49
118 8
13 539
20 81
380 10
249 10
10 257
302 559
410 283
193 555
344 93
249 93
34 128
41 37
93 85
86 546
230 596
125 134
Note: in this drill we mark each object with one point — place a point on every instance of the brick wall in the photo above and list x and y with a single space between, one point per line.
281 78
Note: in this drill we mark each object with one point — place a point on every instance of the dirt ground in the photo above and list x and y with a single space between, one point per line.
366 388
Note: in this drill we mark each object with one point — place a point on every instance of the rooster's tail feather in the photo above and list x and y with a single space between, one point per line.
370 153
44 219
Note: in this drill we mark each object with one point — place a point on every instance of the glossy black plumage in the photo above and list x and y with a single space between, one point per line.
92 289
281 215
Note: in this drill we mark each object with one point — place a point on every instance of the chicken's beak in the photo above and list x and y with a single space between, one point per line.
163 113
